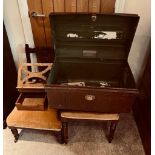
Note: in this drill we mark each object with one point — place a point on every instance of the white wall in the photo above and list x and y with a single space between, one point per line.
138 52
14 28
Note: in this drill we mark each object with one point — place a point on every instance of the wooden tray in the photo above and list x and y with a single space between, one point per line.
29 101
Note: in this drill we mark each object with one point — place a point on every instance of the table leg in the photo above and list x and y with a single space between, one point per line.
111 130
65 131
15 133
59 137
4 124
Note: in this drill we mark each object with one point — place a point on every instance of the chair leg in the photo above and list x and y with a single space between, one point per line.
15 134
111 130
65 131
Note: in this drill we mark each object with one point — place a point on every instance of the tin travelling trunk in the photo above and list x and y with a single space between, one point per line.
91 70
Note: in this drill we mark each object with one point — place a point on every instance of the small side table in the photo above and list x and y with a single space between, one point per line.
111 119
39 120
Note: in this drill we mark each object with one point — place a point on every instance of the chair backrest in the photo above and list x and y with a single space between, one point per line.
43 55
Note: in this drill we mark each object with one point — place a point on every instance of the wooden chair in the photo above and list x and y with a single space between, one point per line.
44 54
32 119
112 120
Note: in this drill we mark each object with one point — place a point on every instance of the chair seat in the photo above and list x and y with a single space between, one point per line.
44 120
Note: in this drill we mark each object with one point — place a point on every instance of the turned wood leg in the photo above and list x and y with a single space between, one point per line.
4 124
65 131
111 130
59 137
15 133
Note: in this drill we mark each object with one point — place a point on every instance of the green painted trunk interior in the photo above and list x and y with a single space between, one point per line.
92 49
116 74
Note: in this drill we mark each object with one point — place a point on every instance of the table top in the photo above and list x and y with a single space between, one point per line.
89 116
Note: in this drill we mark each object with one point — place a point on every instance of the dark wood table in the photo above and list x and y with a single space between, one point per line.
111 119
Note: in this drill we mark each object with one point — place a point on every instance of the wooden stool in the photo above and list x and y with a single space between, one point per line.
68 116
40 120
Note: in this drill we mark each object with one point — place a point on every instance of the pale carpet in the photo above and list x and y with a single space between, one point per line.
85 138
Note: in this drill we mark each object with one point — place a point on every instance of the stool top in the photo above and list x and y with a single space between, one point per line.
89 116
45 120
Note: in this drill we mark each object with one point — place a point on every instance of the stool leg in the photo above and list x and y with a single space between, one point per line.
15 133
65 131
59 137
111 130
4 124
